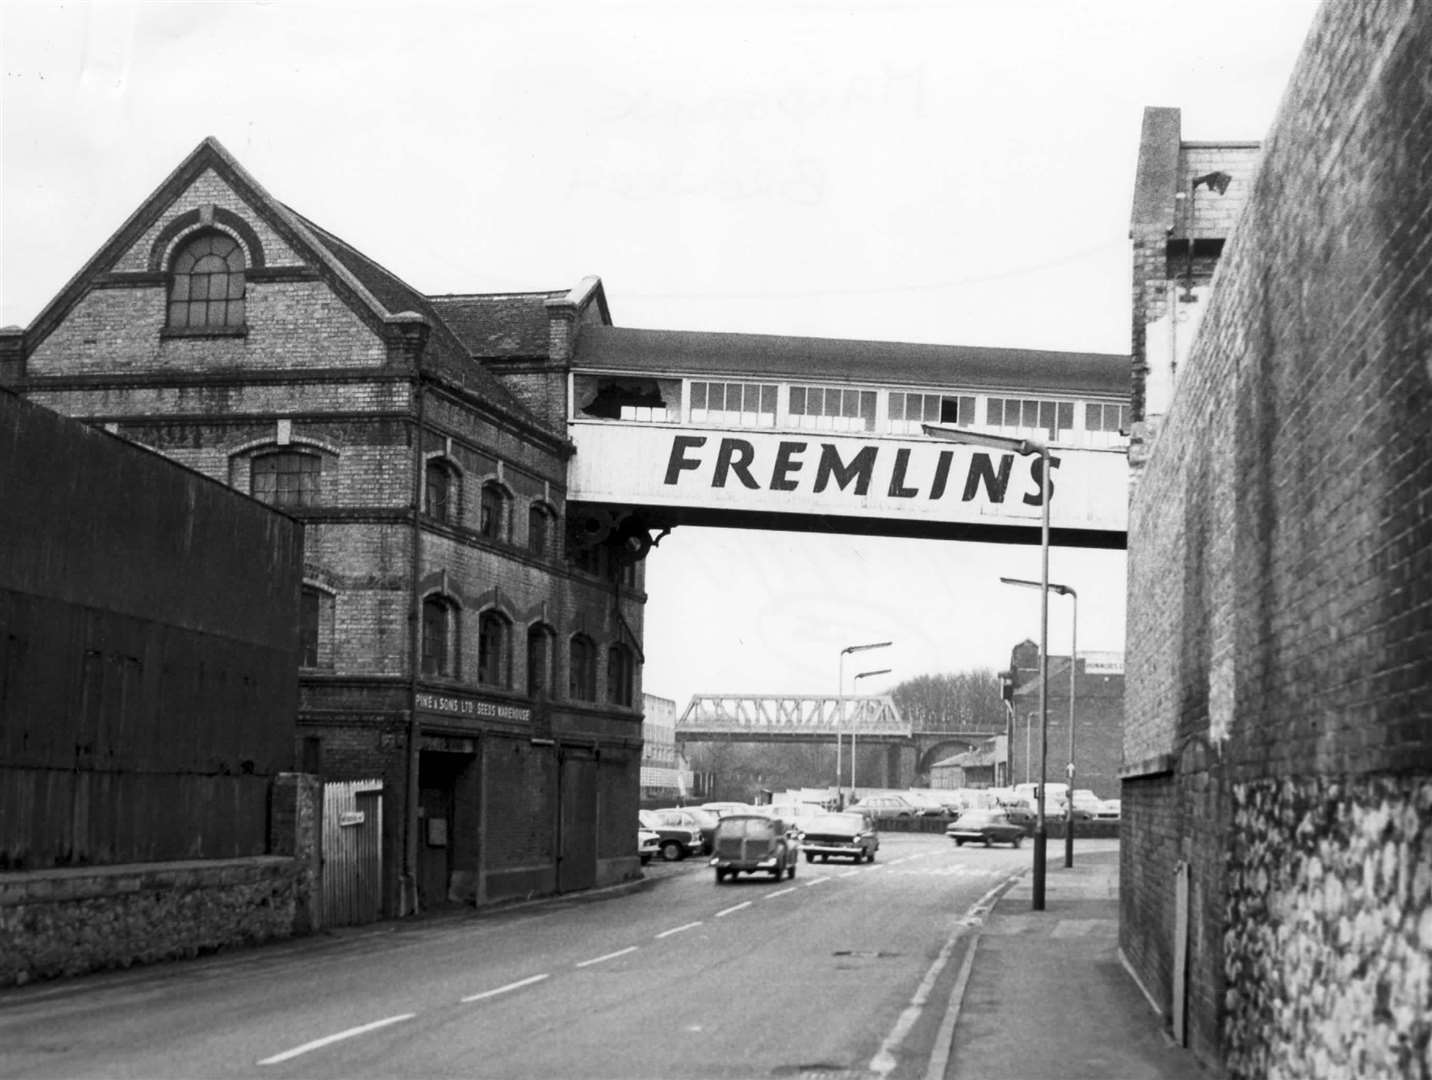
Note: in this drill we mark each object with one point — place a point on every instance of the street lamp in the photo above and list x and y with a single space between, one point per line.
1065 590
862 675
1013 444
840 698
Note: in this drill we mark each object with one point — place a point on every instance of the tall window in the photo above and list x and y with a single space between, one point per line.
308 627
206 287
1021 416
539 660
909 411
286 478
620 671
582 669
439 636
494 650
743 404
539 529
442 491
492 521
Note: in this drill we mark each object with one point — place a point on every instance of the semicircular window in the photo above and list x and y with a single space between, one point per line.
206 287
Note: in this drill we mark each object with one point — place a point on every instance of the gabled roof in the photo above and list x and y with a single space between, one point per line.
503 325
374 293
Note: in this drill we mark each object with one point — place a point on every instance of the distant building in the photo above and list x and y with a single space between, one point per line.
978 768
665 776
1098 719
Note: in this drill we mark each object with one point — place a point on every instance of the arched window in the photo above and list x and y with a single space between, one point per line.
620 671
582 669
439 636
492 521
494 649
442 491
539 659
286 478
206 285
539 529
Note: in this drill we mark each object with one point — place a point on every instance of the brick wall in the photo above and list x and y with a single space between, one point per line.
1280 593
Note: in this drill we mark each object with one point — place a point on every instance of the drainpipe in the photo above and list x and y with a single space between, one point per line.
409 332
409 901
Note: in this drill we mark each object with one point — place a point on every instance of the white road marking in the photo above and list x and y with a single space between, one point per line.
504 989
780 892
329 1039
848 873
944 1041
883 1063
816 881
608 956
678 929
738 907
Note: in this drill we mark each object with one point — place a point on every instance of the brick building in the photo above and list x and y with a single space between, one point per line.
1098 719
1276 898
454 646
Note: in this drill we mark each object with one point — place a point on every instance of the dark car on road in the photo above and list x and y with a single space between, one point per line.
843 836
755 843
986 826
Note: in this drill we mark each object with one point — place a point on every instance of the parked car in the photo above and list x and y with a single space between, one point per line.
897 806
692 817
721 809
1087 805
987 826
845 836
677 841
648 843
751 843
1112 810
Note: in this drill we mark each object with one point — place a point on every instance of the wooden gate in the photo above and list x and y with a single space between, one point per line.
352 852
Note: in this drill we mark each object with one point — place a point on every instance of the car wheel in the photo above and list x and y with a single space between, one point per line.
778 871
1017 841
720 876
959 842
810 856
645 859
988 842
672 850
825 858
870 855
791 870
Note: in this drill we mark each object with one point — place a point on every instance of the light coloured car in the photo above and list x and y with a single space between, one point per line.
677 841
889 805
648 843
842 836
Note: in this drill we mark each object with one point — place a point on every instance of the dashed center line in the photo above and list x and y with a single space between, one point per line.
780 892
816 881
338 1037
608 956
678 929
848 873
504 989
729 910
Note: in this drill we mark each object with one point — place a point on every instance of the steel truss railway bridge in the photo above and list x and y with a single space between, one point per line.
818 718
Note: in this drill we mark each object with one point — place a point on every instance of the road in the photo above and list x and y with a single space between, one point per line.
843 970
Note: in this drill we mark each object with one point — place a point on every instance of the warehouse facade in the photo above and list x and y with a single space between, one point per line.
454 645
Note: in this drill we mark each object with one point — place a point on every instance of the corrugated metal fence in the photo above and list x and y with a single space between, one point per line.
352 851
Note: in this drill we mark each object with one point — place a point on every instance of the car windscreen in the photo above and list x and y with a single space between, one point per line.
746 826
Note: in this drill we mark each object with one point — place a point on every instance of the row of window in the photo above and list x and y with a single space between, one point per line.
847 409
292 478
442 655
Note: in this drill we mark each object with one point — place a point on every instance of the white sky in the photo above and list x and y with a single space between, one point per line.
944 171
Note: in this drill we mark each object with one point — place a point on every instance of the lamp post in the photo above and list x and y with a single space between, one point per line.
862 675
1065 590
840 699
1014 444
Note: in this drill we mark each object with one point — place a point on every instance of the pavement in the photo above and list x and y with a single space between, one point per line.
1045 995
